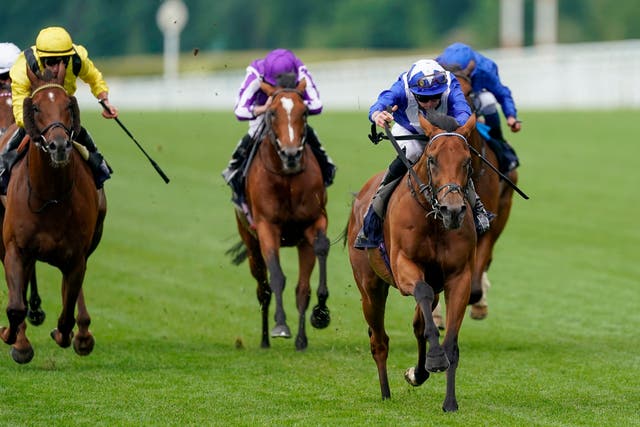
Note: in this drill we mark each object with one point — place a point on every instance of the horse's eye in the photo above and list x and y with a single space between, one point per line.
35 108
432 161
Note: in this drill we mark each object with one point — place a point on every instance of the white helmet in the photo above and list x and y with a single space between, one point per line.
8 54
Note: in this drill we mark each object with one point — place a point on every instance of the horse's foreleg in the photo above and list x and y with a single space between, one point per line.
306 262
15 274
436 358
320 317
417 375
71 285
456 295
83 342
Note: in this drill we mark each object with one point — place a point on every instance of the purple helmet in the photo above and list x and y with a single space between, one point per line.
277 62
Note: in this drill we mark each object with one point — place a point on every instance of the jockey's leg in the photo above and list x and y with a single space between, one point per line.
373 218
327 166
101 170
481 217
233 173
8 157
487 106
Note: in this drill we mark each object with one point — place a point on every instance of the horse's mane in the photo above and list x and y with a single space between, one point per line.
441 120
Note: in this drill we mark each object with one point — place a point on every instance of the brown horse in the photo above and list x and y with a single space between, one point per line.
430 243
497 198
53 213
287 199
35 314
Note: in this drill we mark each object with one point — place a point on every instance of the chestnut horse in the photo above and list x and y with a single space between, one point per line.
287 199
430 243
53 213
35 313
497 197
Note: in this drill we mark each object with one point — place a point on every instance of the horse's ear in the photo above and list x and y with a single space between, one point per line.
75 115
468 127
267 88
429 129
29 120
33 77
62 71
302 85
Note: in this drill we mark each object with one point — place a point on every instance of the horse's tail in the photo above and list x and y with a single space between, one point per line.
238 253
343 234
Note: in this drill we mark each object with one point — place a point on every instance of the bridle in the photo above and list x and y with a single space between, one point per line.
41 142
282 154
428 191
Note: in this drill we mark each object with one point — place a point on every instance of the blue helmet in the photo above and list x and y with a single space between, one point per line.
456 55
427 77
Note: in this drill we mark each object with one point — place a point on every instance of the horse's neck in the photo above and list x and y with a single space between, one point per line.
6 112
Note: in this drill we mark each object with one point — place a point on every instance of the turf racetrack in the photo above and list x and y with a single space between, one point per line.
177 327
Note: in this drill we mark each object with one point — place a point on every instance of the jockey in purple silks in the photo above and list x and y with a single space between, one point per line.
279 68
425 86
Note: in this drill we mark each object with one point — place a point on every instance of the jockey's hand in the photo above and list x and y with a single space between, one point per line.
261 109
113 111
514 124
382 117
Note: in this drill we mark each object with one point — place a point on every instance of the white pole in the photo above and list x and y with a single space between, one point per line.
171 18
511 23
546 22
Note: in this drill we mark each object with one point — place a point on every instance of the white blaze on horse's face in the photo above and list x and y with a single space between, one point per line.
287 104
51 96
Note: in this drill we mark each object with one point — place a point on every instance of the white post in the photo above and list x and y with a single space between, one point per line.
511 23
171 18
546 22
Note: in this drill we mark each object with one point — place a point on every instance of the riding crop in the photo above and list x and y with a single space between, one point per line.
153 163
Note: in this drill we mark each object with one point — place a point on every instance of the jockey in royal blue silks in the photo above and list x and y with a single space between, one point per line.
425 86
487 92
279 68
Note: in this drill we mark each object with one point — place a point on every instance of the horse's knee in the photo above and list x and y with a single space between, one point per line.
321 245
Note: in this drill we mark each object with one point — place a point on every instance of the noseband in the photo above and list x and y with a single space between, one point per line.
428 191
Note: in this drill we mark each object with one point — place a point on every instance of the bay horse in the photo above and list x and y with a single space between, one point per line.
497 197
287 202
430 245
35 313
53 213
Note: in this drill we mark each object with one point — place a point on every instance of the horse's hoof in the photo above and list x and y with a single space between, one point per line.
437 362
36 317
22 356
60 339
413 379
281 331
301 343
83 346
320 317
479 312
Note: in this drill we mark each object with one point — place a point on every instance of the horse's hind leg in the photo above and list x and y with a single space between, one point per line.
320 317
83 342
35 313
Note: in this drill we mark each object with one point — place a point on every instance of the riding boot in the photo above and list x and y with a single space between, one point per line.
327 166
507 157
370 235
233 175
99 167
8 158
481 217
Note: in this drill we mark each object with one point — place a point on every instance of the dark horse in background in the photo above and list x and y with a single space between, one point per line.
497 197
53 213
287 202
430 247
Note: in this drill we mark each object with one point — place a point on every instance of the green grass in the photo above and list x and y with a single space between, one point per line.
559 348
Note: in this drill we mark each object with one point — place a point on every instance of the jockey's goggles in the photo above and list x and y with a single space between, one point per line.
51 61
435 79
